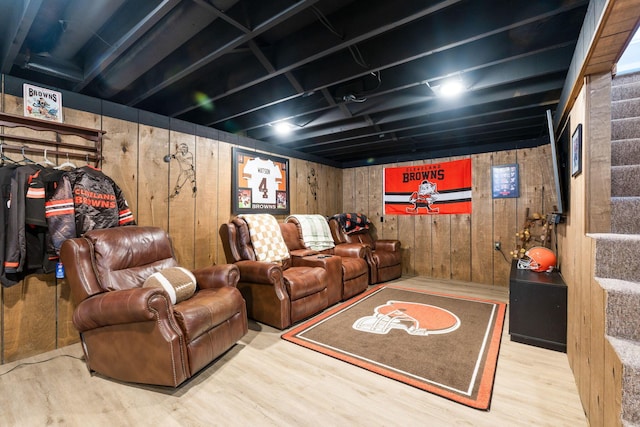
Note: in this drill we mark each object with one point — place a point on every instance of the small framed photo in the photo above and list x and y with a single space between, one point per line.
576 151
42 103
505 181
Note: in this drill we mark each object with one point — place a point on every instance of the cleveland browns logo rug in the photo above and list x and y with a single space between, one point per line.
444 344
411 317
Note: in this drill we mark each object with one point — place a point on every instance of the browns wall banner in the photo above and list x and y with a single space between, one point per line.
429 189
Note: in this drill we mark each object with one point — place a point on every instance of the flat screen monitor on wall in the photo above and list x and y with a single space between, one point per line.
560 154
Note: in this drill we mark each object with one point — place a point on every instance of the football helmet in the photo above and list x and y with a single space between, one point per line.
413 318
538 259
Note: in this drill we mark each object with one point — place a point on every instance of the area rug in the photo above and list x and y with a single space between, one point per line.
445 344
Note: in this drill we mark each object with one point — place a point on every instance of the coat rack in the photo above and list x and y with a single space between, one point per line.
92 152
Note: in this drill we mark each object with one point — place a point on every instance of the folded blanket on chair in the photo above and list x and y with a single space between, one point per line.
266 237
315 232
352 222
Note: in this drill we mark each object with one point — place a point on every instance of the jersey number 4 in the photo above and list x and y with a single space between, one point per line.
263 187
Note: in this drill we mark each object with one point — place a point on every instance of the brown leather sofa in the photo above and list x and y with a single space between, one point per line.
135 334
277 294
354 271
384 256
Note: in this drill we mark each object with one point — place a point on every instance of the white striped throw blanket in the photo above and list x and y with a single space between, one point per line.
266 237
315 232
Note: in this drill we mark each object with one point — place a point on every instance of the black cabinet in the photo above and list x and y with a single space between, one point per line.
538 308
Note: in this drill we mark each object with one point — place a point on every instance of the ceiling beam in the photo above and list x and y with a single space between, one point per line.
418 129
164 82
225 17
414 119
103 59
533 28
408 102
331 102
436 61
257 52
185 21
16 30
306 51
66 70
465 149
491 129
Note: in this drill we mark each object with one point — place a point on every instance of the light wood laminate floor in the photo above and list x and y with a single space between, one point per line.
266 381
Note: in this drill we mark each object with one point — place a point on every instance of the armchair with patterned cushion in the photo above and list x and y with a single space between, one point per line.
280 290
310 234
384 256
141 317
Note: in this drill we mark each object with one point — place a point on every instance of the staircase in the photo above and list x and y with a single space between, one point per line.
617 258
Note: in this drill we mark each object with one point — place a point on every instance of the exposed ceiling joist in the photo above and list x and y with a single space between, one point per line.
359 80
102 60
17 26
221 50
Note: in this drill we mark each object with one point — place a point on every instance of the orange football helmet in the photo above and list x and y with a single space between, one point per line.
538 259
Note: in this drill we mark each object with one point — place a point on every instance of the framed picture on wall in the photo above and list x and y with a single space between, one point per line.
576 151
505 181
260 183
42 103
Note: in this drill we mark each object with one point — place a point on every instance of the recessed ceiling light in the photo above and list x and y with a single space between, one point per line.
447 88
451 88
283 128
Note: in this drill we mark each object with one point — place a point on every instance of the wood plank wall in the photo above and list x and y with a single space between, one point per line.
459 247
596 367
36 313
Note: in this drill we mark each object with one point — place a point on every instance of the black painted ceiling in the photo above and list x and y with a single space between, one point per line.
357 78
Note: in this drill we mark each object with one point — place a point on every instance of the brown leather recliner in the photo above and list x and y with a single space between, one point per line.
384 256
277 294
354 270
135 334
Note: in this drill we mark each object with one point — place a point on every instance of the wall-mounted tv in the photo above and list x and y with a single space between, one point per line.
561 155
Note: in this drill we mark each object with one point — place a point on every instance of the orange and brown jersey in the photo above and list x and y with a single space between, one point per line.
85 199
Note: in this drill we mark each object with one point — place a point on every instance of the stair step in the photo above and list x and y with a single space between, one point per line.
629 354
625 128
617 256
616 266
625 91
625 79
625 181
625 212
625 152
623 297
625 108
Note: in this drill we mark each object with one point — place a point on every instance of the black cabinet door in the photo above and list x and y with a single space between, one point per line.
538 309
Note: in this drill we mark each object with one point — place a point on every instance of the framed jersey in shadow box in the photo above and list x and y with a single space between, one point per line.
260 183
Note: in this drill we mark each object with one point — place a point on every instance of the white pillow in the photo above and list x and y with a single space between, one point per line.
178 282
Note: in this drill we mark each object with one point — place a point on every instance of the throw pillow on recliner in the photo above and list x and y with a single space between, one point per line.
178 282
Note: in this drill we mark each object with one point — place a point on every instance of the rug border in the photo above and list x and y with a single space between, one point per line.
484 395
